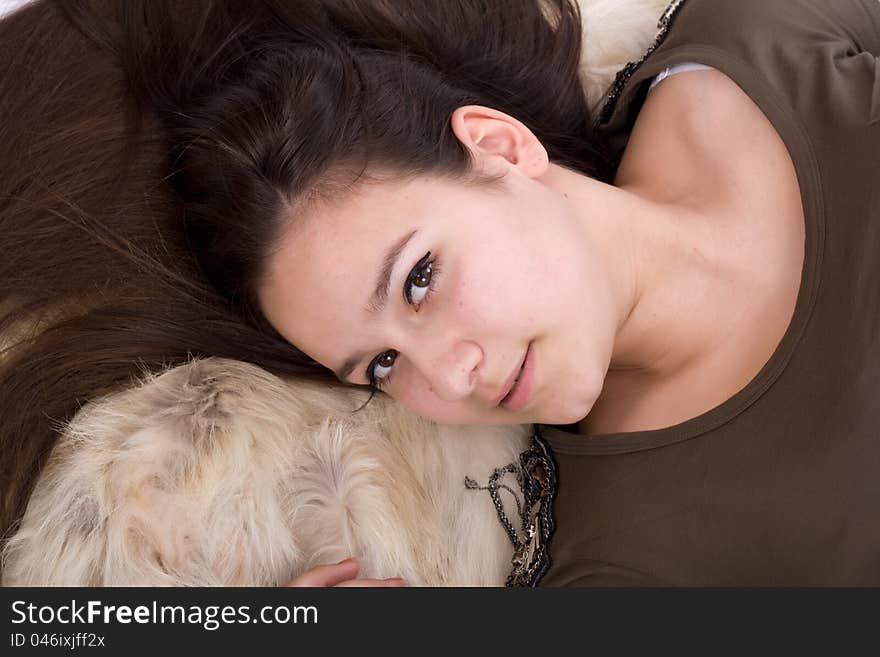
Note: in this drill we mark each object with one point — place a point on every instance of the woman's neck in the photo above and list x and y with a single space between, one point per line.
666 265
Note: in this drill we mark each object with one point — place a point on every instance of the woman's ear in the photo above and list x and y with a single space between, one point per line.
494 138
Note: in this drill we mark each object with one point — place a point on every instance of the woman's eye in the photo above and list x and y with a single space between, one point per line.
382 365
416 289
419 282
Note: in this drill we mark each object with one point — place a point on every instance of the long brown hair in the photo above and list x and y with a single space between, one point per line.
149 148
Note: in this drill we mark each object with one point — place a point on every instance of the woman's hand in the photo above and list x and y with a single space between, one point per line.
341 574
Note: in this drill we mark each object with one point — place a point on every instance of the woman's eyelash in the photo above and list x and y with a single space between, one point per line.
425 271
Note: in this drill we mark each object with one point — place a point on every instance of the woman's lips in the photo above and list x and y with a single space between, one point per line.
521 392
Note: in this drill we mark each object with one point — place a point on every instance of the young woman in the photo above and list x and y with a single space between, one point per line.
683 295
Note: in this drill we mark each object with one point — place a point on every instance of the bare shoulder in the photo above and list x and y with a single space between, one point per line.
699 134
700 142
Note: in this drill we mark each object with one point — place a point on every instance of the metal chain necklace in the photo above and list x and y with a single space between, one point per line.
536 477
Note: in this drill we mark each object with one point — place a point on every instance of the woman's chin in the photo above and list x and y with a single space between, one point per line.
571 413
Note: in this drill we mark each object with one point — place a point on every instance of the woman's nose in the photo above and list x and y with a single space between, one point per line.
451 369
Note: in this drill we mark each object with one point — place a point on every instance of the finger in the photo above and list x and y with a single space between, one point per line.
328 574
392 581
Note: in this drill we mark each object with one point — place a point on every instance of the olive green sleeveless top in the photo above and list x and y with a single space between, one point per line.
779 484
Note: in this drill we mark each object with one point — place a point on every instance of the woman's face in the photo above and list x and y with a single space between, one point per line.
477 277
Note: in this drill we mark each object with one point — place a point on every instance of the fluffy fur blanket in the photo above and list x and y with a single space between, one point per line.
218 473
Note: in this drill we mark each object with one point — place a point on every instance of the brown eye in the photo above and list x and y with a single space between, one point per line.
381 367
416 289
419 281
423 277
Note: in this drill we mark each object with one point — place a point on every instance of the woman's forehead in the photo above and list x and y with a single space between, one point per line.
322 273
372 213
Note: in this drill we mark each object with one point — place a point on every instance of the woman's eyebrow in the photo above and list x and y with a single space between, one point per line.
377 300
376 303
348 366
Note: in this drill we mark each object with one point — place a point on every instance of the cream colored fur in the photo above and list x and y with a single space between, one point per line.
218 473
615 32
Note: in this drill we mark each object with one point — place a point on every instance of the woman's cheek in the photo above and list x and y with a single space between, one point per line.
413 395
419 398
